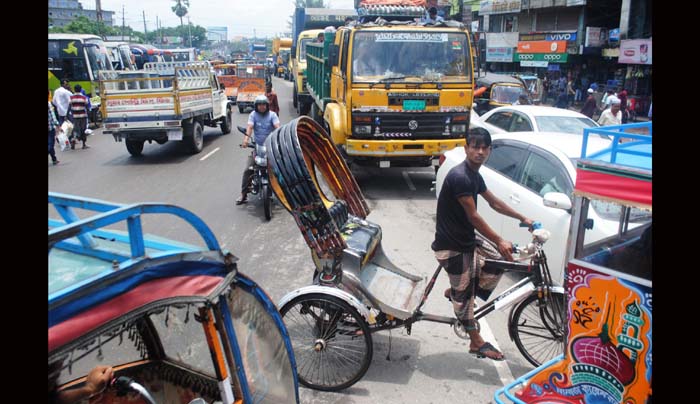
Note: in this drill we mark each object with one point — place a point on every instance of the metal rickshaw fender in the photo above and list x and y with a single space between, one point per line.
334 116
555 289
325 290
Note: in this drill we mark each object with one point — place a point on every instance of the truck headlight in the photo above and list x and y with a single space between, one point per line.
363 129
459 128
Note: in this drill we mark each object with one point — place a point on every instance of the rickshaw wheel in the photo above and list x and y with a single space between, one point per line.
539 330
332 342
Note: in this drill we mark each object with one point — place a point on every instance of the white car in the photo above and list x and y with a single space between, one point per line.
525 169
535 118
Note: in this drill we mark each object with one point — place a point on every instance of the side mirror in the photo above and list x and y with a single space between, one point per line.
333 53
557 200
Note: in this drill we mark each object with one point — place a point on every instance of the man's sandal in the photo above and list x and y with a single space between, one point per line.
487 347
241 201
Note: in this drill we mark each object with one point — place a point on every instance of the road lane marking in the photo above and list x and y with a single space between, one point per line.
408 181
502 367
209 154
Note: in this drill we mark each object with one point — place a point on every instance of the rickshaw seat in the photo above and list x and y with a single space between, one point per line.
362 237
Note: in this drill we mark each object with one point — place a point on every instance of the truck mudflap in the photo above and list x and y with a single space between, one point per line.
400 148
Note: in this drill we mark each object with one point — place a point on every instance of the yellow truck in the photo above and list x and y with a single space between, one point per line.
393 94
281 47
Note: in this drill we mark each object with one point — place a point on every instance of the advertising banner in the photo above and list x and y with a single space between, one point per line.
533 63
596 36
499 54
542 46
635 51
498 6
542 57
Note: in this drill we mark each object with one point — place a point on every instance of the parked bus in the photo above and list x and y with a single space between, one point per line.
77 58
121 56
183 54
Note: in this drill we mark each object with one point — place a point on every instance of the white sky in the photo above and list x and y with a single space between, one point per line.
267 17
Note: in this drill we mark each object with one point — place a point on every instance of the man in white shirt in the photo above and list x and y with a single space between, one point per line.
433 18
612 115
61 99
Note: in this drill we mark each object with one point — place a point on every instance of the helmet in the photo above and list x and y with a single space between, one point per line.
261 99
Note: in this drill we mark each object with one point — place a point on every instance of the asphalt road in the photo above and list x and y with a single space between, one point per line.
430 366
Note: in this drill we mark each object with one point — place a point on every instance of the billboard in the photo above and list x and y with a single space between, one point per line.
635 51
217 33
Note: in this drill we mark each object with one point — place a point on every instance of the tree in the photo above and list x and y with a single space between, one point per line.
180 8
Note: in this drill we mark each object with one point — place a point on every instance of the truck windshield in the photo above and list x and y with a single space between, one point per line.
416 55
302 51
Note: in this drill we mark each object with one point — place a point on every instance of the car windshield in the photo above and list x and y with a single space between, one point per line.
411 57
566 124
506 94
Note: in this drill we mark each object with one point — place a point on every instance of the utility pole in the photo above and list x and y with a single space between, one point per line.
189 29
145 31
98 7
123 23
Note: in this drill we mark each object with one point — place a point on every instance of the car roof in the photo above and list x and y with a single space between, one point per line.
563 144
538 110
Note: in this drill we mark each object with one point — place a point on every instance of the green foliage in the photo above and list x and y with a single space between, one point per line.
199 35
180 8
310 4
83 25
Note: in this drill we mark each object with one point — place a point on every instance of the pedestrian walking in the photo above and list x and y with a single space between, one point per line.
589 106
61 99
53 127
78 108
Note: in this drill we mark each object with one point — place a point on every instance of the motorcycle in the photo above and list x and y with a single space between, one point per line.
260 185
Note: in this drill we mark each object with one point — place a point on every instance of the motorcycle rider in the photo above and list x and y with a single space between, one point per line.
263 121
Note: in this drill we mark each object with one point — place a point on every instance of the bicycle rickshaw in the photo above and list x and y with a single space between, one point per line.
356 289
179 319
608 356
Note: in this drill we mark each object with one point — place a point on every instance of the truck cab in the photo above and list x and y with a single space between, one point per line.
300 97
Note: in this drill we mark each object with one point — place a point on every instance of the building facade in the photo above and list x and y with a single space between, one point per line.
62 12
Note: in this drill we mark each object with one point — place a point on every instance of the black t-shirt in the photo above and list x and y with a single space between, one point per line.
453 230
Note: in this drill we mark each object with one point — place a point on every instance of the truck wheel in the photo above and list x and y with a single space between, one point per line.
226 123
134 147
194 137
241 108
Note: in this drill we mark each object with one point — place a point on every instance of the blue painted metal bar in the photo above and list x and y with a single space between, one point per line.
82 203
505 390
135 236
235 349
104 219
69 216
617 132
91 252
124 238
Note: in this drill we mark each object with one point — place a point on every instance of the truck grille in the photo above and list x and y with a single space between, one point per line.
425 125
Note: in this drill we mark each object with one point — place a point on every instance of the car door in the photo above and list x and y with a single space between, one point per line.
501 173
541 172
498 122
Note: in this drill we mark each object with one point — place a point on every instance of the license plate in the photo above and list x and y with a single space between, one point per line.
414 105
174 135
384 164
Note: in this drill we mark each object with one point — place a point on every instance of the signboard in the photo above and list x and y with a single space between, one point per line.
542 57
611 53
596 36
635 51
614 35
542 46
533 63
217 33
499 54
498 6
172 40
549 36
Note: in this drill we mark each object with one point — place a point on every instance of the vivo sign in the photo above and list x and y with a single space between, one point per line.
564 36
